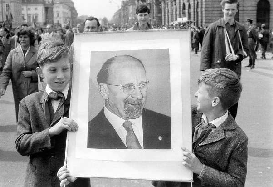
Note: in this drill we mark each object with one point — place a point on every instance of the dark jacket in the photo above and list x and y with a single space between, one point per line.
224 153
214 50
156 132
46 154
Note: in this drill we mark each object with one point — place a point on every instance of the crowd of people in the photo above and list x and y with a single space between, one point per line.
219 155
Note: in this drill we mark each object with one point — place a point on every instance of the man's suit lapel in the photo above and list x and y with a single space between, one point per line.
109 131
44 106
219 133
152 138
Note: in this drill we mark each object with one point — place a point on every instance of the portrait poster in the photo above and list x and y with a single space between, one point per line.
165 57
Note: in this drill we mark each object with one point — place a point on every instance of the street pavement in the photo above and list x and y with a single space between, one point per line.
254 116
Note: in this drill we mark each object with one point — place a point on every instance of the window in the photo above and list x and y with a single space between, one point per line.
7 7
29 18
23 17
36 8
35 17
28 8
58 14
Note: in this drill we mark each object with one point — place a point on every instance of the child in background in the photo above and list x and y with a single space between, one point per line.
43 119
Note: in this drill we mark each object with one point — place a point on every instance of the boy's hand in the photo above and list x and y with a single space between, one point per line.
27 73
64 176
64 123
191 161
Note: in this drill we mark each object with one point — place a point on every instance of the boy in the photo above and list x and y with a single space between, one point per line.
43 117
143 14
219 156
220 153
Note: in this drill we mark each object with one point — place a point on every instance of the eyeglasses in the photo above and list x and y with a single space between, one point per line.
130 88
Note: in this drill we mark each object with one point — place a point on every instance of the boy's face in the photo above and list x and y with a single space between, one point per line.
204 100
143 18
57 74
229 11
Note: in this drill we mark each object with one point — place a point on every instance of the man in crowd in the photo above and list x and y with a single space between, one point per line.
252 42
124 122
49 28
143 14
225 43
69 36
91 24
264 39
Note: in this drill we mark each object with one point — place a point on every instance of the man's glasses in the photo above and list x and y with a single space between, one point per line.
130 88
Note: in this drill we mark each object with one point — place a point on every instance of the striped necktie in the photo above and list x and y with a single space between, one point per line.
131 139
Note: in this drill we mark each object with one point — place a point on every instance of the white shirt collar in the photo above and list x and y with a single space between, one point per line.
117 122
26 52
65 91
218 121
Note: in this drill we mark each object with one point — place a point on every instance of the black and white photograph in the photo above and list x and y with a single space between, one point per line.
136 93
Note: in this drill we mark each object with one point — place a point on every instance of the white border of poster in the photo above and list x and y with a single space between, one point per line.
148 164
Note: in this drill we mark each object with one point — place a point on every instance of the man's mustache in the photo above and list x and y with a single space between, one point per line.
133 101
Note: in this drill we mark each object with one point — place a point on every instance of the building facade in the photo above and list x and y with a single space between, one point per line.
10 11
204 12
200 12
64 12
37 12
42 12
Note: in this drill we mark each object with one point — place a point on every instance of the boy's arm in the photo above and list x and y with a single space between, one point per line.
28 142
236 171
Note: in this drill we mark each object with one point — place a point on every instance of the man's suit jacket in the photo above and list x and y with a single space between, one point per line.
156 132
46 154
224 153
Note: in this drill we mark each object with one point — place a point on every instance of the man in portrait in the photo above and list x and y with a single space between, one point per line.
124 122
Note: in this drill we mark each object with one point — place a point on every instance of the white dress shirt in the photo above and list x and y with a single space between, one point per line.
55 103
117 122
218 121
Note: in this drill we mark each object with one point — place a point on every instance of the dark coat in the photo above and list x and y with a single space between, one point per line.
156 132
15 64
46 154
224 153
214 50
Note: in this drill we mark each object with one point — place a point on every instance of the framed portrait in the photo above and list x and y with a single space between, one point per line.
141 77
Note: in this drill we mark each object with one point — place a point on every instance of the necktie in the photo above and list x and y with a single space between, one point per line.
60 109
55 95
131 139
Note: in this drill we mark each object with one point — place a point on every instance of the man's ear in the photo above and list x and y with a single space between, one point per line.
39 72
215 101
103 89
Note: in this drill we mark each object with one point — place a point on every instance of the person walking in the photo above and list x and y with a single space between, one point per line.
264 39
252 42
195 40
20 68
225 43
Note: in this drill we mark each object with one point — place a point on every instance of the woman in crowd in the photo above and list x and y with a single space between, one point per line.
20 68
